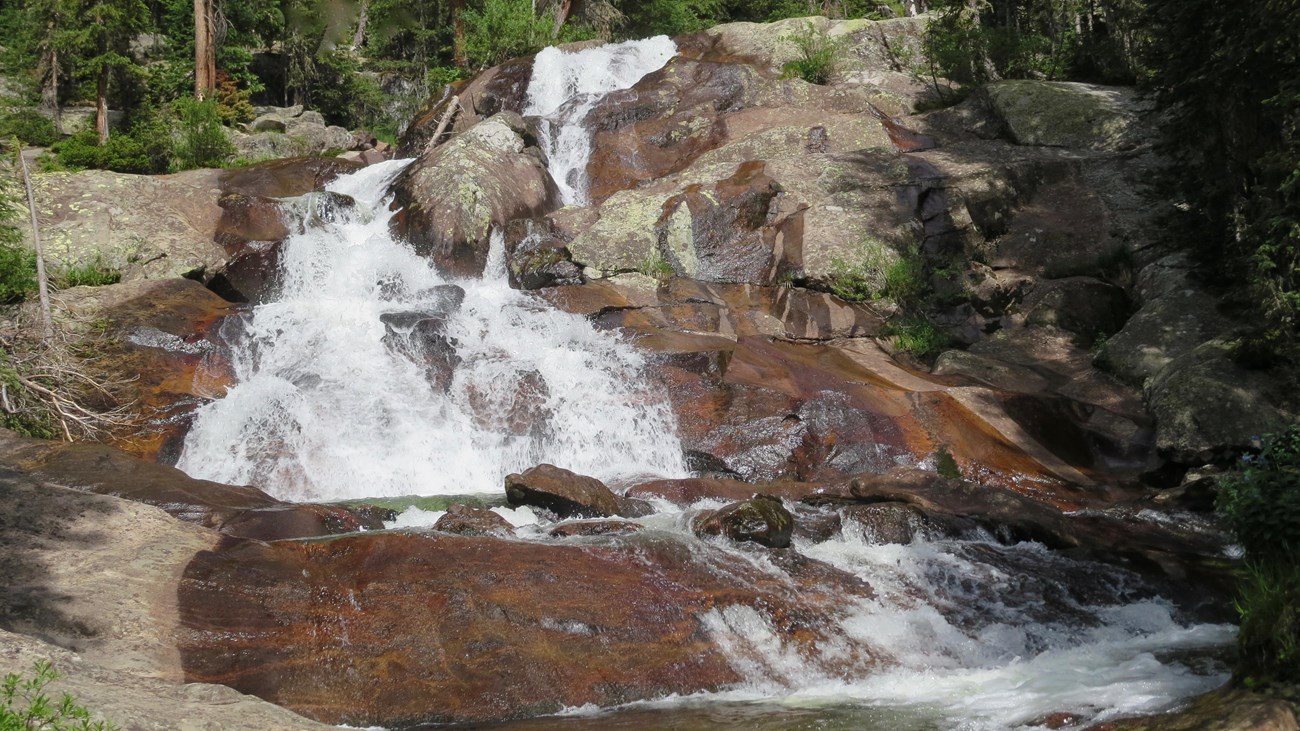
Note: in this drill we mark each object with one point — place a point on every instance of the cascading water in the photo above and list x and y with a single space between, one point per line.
371 375
335 400
564 89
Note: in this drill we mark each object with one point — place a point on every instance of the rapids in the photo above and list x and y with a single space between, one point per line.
332 404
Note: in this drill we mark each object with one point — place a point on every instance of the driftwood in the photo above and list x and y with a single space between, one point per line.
448 115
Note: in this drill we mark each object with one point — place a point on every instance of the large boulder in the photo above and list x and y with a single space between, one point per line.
454 194
141 226
762 519
1068 114
280 132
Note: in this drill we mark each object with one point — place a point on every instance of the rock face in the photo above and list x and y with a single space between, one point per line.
455 193
567 494
399 628
1067 114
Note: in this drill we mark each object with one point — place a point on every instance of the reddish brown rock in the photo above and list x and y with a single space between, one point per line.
500 88
242 511
403 628
467 520
762 519
594 528
160 343
568 494
284 178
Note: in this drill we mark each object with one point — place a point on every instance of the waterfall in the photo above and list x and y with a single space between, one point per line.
364 378
567 85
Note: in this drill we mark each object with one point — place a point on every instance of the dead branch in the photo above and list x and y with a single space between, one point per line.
42 287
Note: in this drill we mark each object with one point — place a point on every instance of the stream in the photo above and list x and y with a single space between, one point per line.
370 375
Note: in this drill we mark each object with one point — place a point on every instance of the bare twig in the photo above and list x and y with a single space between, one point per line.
453 106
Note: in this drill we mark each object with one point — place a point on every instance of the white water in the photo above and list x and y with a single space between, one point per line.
564 89
324 409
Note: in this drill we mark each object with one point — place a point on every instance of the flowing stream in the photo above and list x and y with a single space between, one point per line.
371 375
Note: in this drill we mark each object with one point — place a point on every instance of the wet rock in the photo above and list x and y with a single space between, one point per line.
594 528
881 523
420 336
705 465
518 407
160 342
452 196
537 256
762 519
286 178
1222 710
467 520
242 511
434 627
816 525
568 494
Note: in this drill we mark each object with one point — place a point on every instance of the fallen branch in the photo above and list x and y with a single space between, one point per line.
453 106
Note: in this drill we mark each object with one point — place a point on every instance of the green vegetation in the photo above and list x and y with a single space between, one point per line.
24 705
202 141
916 335
878 273
1260 502
946 465
655 265
93 273
17 264
818 57
28 126
1234 137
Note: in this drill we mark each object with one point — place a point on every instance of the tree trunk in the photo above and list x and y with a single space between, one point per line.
458 30
42 287
359 37
101 104
205 52
50 92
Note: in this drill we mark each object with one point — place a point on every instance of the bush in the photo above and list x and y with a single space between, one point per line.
17 264
24 706
145 149
1261 501
878 274
916 335
819 55
28 125
201 139
504 29
93 273
1261 504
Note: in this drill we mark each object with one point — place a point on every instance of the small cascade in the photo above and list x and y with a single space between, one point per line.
372 375
564 89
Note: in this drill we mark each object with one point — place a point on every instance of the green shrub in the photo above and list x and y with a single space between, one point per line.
1260 503
916 335
946 465
818 55
878 274
234 103
17 264
201 139
28 125
93 273
145 149
24 706
504 29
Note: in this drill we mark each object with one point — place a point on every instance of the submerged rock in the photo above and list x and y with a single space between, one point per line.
762 519
568 494
467 520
